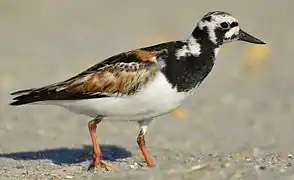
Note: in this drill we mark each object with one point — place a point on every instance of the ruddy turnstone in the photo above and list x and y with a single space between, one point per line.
141 84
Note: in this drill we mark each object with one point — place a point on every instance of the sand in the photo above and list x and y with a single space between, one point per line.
239 125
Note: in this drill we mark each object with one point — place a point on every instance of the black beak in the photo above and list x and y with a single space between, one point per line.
244 36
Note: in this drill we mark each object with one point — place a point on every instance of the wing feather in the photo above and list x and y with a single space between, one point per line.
123 74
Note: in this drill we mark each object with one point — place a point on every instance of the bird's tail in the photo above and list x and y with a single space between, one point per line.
25 97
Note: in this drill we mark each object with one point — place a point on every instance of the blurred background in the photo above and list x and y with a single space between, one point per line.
246 102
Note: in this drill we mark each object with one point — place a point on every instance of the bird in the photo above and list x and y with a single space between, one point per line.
141 84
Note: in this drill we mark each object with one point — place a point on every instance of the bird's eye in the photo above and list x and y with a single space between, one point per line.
224 25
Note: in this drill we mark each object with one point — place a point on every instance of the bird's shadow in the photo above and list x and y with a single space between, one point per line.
65 155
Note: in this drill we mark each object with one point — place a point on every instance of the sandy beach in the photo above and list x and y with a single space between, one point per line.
239 125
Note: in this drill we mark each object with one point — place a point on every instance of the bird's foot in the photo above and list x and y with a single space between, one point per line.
102 166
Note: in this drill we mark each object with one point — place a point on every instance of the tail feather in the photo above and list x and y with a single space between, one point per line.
25 97
25 91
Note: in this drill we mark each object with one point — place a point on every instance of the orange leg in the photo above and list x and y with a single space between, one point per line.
97 154
141 141
142 146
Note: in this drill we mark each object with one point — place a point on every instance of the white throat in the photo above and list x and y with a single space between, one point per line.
191 48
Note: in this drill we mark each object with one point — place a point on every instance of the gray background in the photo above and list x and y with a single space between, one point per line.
238 112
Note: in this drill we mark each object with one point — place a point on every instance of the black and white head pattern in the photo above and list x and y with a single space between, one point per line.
221 27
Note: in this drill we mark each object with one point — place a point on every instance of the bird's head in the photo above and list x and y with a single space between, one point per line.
222 27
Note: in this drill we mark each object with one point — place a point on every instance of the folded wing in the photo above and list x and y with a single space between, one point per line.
120 75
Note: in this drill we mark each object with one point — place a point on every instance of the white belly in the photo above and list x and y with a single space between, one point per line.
155 99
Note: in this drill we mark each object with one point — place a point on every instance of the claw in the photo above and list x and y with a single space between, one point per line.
102 165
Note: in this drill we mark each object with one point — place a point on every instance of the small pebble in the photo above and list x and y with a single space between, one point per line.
225 165
19 166
51 163
290 156
134 166
198 167
55 177
262 167
248 159
68 177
